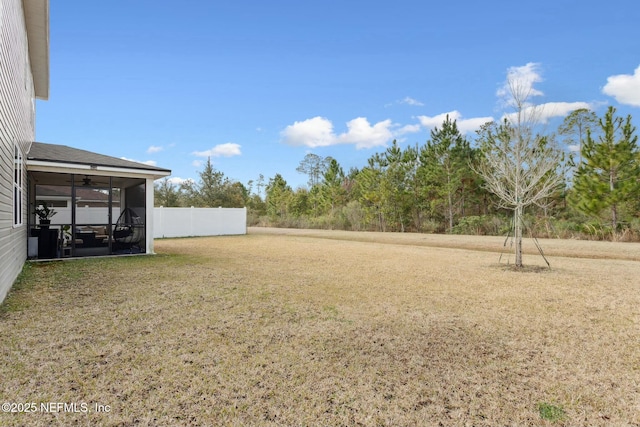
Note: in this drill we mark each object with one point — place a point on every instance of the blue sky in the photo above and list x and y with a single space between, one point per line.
257 85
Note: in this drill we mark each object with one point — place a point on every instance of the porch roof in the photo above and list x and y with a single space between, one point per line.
59 158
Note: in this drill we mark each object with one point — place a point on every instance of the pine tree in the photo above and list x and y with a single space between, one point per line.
166 194
444 167
279 197
574 129
332 191
210 187
610 173
369 189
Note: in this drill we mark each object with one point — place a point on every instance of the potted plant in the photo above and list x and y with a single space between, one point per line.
45 213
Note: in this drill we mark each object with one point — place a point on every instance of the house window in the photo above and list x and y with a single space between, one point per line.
17 186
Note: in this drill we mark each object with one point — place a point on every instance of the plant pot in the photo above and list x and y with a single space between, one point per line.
44 223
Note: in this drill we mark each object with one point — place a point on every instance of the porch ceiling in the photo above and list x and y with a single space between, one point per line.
64 179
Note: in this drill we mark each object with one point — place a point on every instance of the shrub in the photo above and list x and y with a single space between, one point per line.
354 216
431 226
482 225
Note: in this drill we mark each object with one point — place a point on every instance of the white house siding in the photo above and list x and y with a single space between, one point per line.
17 126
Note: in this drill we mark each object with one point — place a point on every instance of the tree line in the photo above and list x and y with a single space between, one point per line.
581 181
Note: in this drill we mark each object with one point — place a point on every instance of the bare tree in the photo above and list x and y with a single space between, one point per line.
519 166
314 167
574 128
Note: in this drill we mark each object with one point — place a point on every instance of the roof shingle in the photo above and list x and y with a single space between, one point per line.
63 154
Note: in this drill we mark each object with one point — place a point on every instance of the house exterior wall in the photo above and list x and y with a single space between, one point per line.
17 126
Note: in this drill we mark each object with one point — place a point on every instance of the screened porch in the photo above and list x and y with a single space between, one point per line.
87 204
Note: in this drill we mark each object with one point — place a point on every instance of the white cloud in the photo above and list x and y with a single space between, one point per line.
407 101
408 129
624 88
315 132
175 180
543 112
464 125
363 135
560 109
430 122
154 149
520 80
471 125
229 149
410 101
318 132
146 162
197 163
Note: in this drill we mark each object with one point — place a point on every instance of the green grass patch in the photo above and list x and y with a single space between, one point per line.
552 413
13 302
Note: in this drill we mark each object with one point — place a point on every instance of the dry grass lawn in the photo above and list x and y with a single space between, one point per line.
297 328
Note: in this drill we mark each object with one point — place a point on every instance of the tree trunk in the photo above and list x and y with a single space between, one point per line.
450 213
614 207
450 202
518 234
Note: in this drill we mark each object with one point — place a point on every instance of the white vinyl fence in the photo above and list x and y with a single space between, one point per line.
185 222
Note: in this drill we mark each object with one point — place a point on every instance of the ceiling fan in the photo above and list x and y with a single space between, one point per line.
86 181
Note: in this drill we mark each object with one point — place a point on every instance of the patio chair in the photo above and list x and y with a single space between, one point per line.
129 231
